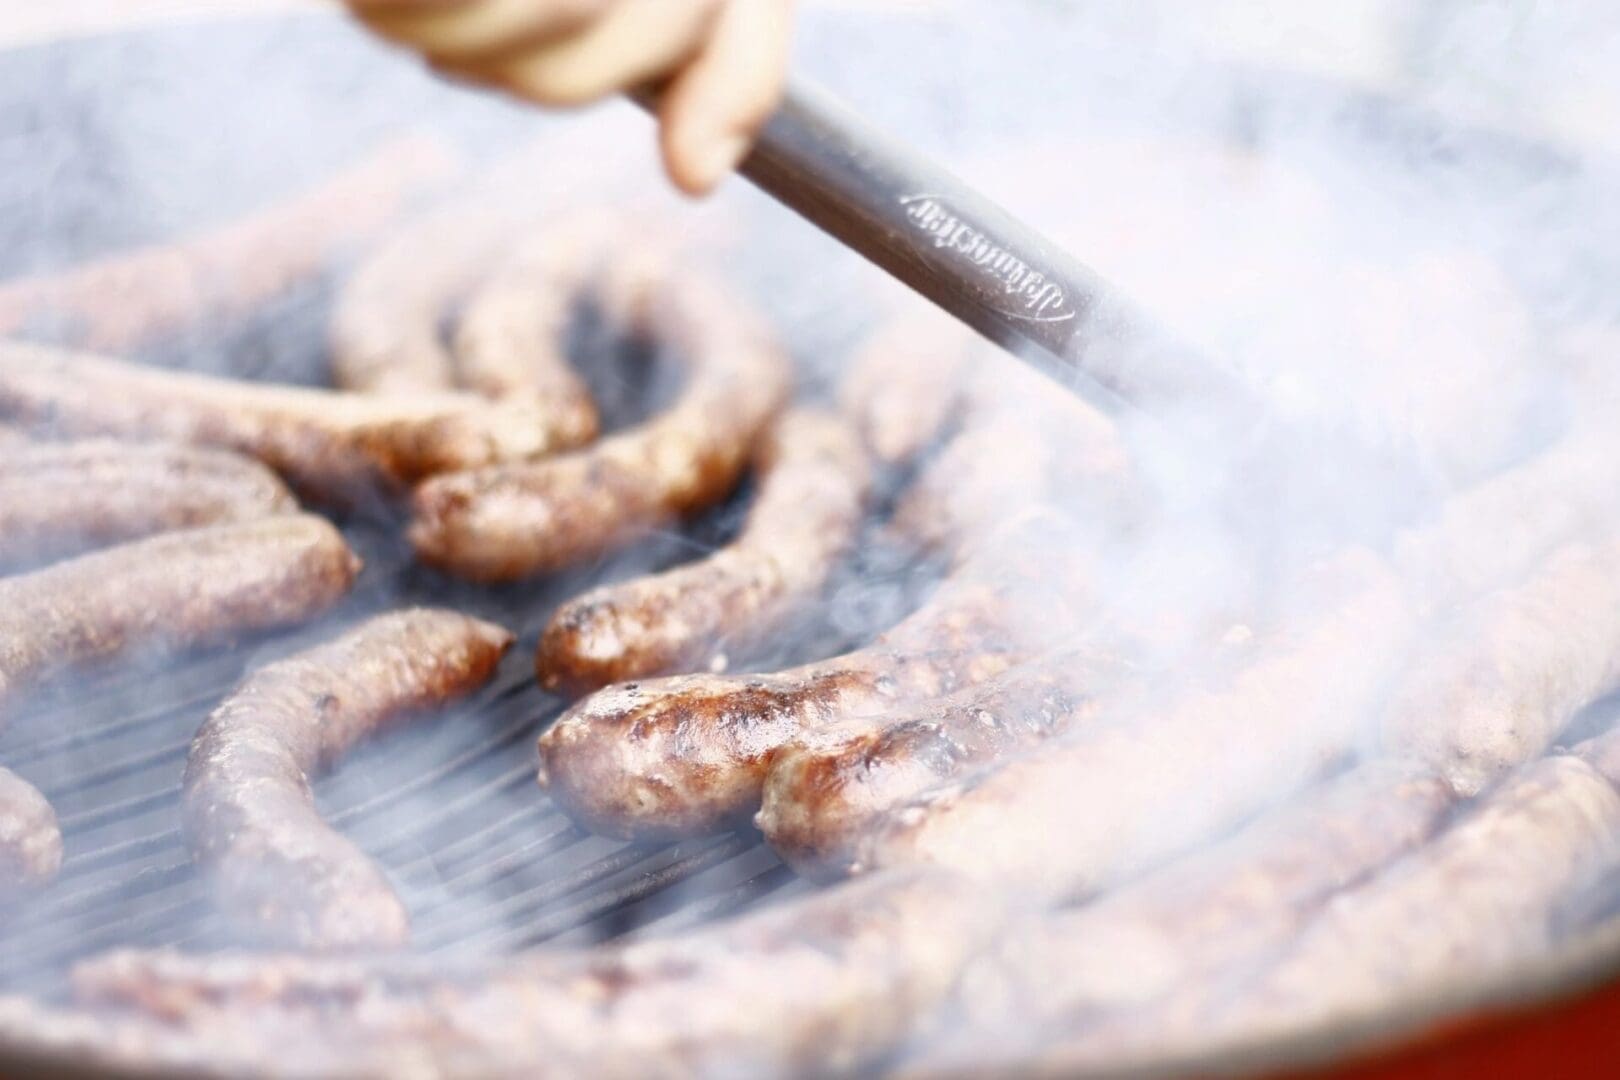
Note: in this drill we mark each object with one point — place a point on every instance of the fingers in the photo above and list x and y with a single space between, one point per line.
468 30
724 60
714 108
634 42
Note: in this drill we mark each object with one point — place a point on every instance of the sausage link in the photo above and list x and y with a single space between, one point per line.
1078 814
386 334
688 754
178 590
122 301
30 841
250 817
332 445
906 384
512 331
1135 961
514 521
830 784
61 499
1505 674
830 982
813 483
1479 899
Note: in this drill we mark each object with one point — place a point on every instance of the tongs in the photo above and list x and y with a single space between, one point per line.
959 249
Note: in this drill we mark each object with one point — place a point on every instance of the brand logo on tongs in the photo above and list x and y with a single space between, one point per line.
1035 296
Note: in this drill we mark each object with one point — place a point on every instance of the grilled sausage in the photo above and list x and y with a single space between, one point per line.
513 521
1506 673
30 841
249 814
386 334
331 445
127 299
1468 906
813 482
60 499
1494 531
1078 814
179 590
1146 954
906 384
512 331
688 754
828 785
828 982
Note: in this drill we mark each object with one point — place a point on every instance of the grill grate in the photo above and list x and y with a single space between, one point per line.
450 808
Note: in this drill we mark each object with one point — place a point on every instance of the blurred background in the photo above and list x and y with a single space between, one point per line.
1531 66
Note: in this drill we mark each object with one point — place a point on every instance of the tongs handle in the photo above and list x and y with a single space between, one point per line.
976 261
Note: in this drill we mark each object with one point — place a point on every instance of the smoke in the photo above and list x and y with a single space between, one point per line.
1422 301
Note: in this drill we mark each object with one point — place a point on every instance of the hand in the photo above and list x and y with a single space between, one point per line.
723 62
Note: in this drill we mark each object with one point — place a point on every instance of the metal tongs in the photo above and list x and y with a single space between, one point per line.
915 220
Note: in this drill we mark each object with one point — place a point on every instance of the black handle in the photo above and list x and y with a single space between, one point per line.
977 262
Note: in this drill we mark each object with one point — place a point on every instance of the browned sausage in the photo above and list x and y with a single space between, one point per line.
513 521
829 982
830 784
1077 814
329 444
30 842
179 590
126 299
689 754
249 814
60 499
813 482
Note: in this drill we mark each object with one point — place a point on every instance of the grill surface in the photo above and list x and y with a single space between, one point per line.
114 142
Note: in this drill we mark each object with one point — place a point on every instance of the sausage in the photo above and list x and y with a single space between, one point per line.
829 982
1142 956
907 383
331 445
514 521
1017 448
387 329
688 754
250 817
1078 814
30 841
124 300
511 336
386 333
179 590
60 499
1494 531
1479 899
813 482
1506 673
828 785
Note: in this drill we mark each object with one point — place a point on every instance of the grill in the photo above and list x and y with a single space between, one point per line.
144 133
